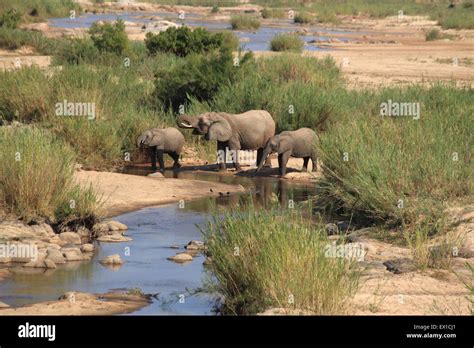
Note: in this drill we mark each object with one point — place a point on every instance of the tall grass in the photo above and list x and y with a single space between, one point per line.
286 42
40 10
36 178
244 22
398 170
276 258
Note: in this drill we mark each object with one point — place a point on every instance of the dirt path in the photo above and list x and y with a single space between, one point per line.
123 193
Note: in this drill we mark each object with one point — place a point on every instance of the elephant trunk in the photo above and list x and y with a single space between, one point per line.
185 121
140 140
266 152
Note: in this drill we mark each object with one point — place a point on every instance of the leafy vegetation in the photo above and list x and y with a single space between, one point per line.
286 42
244 22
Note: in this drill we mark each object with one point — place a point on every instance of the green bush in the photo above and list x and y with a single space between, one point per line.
10 19
28 155
15 38
286 42
254 252
77 51
273 13
109 37
196 76
183 41
433 34
244 22
303 18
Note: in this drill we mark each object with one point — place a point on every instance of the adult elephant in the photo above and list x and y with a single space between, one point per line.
247 131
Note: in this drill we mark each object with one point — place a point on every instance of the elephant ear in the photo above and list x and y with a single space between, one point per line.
219 130
156 139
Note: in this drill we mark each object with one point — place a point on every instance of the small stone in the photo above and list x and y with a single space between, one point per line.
156 175
112 260
399 266
195 245
331 229
70 237
181 258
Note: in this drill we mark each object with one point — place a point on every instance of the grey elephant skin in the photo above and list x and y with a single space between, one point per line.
300 143
250 130
160 141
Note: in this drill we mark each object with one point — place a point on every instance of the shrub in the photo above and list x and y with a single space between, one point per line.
284 264
29 155
303 18
10 19
244 22
15 38
109 37
433 34
77 51
197 76
215 9
273 13
183 41
286 42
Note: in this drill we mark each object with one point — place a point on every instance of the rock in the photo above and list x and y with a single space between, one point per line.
355 235
72 254
87 248
112 260
55 256
399 266
108 227
113 238
466 253
331 229
3 305
196 245
41 264
70 237
83 232
156 175
181 258
116 226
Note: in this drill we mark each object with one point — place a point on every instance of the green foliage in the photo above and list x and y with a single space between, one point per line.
10 19
196 76
28 155
109 37
271 245
183 41
273 13
287 42
433 34
303 18
244 22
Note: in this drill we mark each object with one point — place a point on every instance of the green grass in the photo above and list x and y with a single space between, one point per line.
244 22
40 10
274 13
303 18
36 178
286 42
276 258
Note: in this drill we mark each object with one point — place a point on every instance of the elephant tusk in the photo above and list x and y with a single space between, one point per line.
186 125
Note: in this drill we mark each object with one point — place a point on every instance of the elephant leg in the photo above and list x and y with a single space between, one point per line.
160 153
221 156
175 157
235 157
305 164
314 160
259 155
268 162
284 160
152 151
279 163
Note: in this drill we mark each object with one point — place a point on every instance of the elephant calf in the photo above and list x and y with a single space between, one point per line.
299 143
160 141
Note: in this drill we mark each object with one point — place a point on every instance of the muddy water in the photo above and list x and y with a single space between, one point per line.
254 41
154 231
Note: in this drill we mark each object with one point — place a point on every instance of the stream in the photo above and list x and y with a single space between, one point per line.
154 231
258 40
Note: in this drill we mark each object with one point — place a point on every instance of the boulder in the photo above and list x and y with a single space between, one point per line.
181 258
195 245
114 259
87 248
70 238
55 256
41 264
113 238
72 254
156 175
3 305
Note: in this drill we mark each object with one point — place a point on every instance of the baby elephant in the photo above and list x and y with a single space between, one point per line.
159 141
299 143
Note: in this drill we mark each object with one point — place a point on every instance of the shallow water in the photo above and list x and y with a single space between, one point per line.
153 230
254 41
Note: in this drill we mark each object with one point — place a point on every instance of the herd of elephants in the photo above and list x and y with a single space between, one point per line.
251 130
